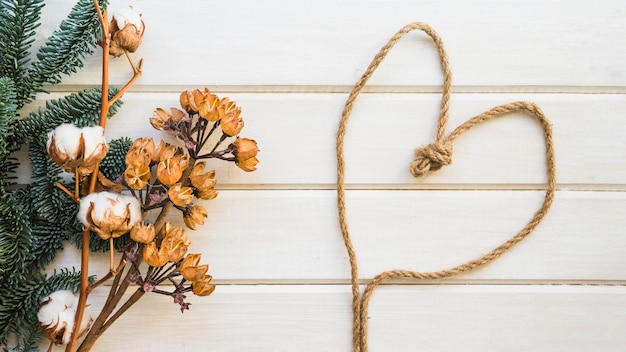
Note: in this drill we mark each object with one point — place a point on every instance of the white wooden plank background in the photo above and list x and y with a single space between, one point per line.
283 274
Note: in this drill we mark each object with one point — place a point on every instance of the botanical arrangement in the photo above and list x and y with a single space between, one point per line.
120 196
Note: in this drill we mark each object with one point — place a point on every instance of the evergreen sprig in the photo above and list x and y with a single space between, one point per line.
8 113
65 50
15 240
20 304
18 21
37 218
81 109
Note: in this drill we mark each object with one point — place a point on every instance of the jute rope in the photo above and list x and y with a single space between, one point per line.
428 158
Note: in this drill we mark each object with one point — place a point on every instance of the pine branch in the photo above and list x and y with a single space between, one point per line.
114 163
8 112
65 50
20 304
14 238
81 109
18 21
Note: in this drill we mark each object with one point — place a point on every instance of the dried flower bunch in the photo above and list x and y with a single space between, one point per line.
158 178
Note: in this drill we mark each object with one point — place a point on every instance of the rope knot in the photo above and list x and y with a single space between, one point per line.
430 158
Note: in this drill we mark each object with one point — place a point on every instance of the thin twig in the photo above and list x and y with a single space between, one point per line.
132 81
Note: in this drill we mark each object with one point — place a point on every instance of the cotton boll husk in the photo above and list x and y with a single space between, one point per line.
49 313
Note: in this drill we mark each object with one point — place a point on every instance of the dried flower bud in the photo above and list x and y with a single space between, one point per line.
153 256
190 101
74 148
180 195
185 102
245 151
137 177
231 123
160 118
175 244
203 182
169 171
190 270
141 152
156 157
208 108
138 157
127 30
245 148
167 227
145 144
248 165
56 316
109 214
207 194
194 215
203 287
142 233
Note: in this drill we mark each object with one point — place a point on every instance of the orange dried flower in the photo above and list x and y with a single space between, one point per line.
194 215
142 233
208 108
180 195
160 117
146 144
153 256
203 182
245 151
175 244
169 171
203 287
231 123
190 270
137 177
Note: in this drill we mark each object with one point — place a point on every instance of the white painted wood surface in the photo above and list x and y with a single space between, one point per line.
283 273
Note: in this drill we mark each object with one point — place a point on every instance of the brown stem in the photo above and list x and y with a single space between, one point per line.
84 257
137 71
84 284
96 284
132 300
62 188
112 256
115 295
91 338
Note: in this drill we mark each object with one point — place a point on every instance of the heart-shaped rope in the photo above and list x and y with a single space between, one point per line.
428 158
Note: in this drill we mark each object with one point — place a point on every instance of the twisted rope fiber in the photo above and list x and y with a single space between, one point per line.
429 158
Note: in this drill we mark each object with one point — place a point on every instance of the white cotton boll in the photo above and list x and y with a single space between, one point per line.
66 138
66 319
127 15
94 140
56 316
84 207
106 204
135 209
